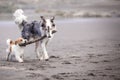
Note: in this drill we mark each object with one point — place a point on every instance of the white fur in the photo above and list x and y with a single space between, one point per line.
43 43
8 41
18 12
44 54
16 50
48 23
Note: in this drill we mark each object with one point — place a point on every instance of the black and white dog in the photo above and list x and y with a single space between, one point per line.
34 30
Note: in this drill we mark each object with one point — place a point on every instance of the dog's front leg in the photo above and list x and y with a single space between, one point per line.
18 58
44 51
37 50
22 55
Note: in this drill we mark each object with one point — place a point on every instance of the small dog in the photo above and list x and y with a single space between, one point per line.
15 50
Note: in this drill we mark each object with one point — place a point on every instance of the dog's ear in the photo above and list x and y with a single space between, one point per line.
42 17
52 18
11 42
43 21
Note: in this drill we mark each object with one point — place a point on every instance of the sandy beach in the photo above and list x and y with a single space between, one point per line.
82 49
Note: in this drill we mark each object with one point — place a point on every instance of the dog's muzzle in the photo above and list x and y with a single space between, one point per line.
49 36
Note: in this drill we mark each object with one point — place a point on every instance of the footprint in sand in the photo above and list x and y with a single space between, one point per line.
66 62
91 74
54 57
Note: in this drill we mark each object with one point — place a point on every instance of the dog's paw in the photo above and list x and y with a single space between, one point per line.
41 58
21 61
46 57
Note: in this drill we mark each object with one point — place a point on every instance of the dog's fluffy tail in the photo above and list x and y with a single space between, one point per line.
8 41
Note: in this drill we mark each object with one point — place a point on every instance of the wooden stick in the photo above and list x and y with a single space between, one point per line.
30 42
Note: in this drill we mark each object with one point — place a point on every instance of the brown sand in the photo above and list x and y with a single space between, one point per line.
82 49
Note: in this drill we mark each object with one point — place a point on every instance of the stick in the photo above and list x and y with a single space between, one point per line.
30 42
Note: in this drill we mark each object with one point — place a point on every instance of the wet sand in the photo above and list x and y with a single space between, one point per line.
82 49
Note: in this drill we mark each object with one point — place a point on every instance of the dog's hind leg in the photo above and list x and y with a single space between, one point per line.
9 52
8 56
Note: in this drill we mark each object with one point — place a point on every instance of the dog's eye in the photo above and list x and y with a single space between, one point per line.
20 39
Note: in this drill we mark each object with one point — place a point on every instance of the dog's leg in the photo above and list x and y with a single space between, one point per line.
44 51
8 56
22 55
18 58
9 52
37 50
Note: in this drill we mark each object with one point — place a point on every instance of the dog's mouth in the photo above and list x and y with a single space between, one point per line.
24 41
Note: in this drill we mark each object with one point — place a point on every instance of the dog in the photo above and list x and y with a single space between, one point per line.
34 30
14 49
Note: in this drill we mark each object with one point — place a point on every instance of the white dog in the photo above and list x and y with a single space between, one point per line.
14 49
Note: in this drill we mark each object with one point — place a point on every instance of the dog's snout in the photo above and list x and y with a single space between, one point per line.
49 36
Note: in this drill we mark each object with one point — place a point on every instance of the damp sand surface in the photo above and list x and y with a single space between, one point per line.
82 49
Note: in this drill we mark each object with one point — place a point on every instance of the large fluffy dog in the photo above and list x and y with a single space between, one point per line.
34 30
15 50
